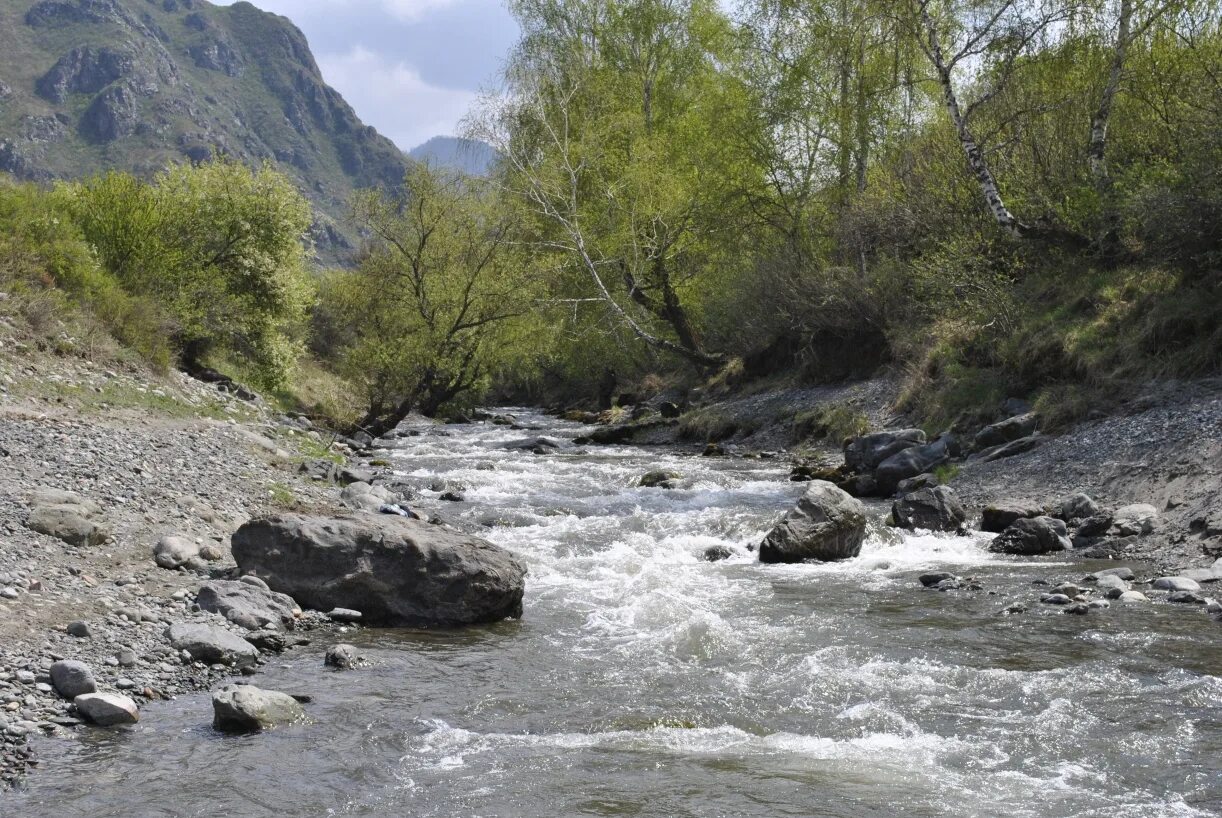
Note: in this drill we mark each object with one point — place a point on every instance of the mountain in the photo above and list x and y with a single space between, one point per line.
87 85
470 156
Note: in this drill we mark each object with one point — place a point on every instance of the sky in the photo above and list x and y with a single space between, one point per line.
410 68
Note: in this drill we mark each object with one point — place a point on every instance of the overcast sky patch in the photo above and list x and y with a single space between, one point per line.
410 68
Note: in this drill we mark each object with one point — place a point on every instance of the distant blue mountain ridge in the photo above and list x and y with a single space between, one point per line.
470 156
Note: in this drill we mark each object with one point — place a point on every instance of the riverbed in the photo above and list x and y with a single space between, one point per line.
644 680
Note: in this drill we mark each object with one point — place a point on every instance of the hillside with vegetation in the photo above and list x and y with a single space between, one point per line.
984 200
91 85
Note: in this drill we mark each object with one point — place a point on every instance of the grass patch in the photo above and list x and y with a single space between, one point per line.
835 421
708 425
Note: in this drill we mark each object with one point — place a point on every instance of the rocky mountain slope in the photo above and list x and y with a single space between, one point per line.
135 84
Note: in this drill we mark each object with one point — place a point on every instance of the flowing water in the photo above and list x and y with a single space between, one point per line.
643 681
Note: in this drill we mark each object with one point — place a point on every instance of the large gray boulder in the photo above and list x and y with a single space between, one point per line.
67 516
997 517
932 509
173 551
913 461
210 644
360 496
1032 535
827 524
71 678
865 453
394 570
107 709
1006 431
246 708
1138 518
247 605
1077 507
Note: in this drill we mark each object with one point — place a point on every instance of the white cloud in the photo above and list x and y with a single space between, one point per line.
414 9
391 96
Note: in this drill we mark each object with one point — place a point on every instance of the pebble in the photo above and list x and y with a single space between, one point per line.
79 629
1055 599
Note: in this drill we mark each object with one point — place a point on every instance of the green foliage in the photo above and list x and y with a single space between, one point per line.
441 301
218 247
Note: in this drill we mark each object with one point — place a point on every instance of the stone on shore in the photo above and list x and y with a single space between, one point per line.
246 604
1176 584
246 708
827 524
67 516
1031 536
173 552
107 709
997 517
206 643
865 453
1138 518
72 678
394 570
913 461
1077 507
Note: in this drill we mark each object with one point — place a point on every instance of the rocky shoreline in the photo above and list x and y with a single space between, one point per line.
115 558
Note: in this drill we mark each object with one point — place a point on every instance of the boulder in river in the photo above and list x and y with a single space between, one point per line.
932 509
827 524
394 570
246 708
212 645
107 709
342 656
247 605
660 479
1032 535
360 496
1176 584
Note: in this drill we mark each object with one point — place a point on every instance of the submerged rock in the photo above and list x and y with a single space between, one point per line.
342 657
826 525
660 479
246 708
394 570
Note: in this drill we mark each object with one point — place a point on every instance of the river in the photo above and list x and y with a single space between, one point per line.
644 681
